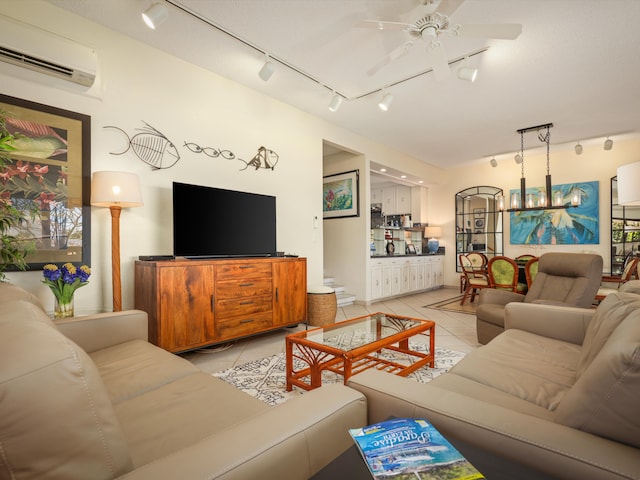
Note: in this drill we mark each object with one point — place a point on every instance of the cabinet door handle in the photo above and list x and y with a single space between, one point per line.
246 266
248 320
250 302
276 294
213 303
246 284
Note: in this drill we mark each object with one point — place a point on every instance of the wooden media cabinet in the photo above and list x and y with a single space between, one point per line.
195 303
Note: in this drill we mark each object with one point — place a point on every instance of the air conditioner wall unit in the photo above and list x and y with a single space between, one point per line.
31 47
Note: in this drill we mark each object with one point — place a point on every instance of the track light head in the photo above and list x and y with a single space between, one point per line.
335 103
468 74
267 70
385 102
155 15
493 162
608 144
578 149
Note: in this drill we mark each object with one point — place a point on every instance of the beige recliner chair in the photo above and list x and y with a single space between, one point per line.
567 279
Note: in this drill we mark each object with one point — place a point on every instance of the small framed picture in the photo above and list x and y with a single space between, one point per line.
410 249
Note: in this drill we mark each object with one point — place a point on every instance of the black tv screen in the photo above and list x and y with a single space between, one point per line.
212 222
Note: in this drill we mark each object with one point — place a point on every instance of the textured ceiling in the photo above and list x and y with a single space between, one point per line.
576 64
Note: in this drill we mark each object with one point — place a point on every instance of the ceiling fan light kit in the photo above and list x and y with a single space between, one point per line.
155 15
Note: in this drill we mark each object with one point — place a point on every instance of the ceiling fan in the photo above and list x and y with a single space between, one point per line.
430 27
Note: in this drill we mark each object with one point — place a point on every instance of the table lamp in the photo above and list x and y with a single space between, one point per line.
116 190
432 243
629 184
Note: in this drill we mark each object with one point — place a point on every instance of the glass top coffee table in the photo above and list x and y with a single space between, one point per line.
355 345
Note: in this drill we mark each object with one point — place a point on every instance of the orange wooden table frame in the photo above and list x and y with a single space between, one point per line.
320 357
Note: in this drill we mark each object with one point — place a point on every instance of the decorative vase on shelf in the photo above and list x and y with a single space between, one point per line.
63 310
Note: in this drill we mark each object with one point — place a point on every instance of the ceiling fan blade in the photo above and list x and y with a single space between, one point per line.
504 31
391 57
438 60
383 25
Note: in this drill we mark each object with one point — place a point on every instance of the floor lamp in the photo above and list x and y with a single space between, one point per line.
116 190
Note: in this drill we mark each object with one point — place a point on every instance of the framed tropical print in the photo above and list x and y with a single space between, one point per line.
47 176
340 195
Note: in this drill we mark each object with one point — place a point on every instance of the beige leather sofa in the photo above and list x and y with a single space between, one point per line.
568 279
90 398
555 396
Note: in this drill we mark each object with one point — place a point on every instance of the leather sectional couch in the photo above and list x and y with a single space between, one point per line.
555 396
90 398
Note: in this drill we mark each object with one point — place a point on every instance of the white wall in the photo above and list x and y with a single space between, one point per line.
137 83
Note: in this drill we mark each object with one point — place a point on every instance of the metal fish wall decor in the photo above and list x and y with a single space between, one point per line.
151 146
264 158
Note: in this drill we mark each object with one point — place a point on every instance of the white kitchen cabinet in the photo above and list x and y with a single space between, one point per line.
401 275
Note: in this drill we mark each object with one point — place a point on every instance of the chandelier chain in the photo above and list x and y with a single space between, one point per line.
522 153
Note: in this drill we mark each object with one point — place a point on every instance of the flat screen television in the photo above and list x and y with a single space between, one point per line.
212 222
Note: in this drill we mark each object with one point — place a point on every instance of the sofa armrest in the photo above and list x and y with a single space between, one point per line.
102 330
568 324
500 442
293 440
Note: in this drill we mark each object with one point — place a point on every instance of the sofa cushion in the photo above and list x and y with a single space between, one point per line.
135 367
181 413
609 314
10 292
604 400
56 419
530 367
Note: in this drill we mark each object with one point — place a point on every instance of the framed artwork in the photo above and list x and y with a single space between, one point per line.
48 176
478 212
341 195
571 226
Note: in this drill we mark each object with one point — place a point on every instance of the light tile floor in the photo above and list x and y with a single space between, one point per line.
456 331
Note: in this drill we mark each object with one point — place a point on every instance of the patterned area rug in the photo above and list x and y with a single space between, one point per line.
453 305
265 378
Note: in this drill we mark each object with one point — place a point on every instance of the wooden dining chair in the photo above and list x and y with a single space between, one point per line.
475 279
503 273
531 270
630 270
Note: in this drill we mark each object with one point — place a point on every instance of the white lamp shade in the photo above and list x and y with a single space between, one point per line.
116 189
432 232
629 184
155 15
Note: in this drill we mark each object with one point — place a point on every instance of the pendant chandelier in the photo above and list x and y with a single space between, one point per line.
521 201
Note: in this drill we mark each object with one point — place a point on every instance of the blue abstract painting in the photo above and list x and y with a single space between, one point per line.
571 226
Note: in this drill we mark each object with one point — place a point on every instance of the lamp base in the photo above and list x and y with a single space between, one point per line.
433 245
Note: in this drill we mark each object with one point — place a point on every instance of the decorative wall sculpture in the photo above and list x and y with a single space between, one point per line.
151 146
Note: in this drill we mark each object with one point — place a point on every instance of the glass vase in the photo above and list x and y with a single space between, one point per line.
63 310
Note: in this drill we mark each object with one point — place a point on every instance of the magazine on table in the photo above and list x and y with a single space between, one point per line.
407 448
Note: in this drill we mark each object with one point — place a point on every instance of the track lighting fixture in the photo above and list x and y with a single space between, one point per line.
468 74
267 70
578 148
493 162
608 144
335 103
155 15
384 104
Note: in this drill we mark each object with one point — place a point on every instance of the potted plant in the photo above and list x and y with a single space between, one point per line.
13 250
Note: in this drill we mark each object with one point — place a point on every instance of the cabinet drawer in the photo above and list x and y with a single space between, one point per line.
243 270
234 307
244 325
243 288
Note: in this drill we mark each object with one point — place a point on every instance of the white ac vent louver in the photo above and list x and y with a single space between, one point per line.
30 47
